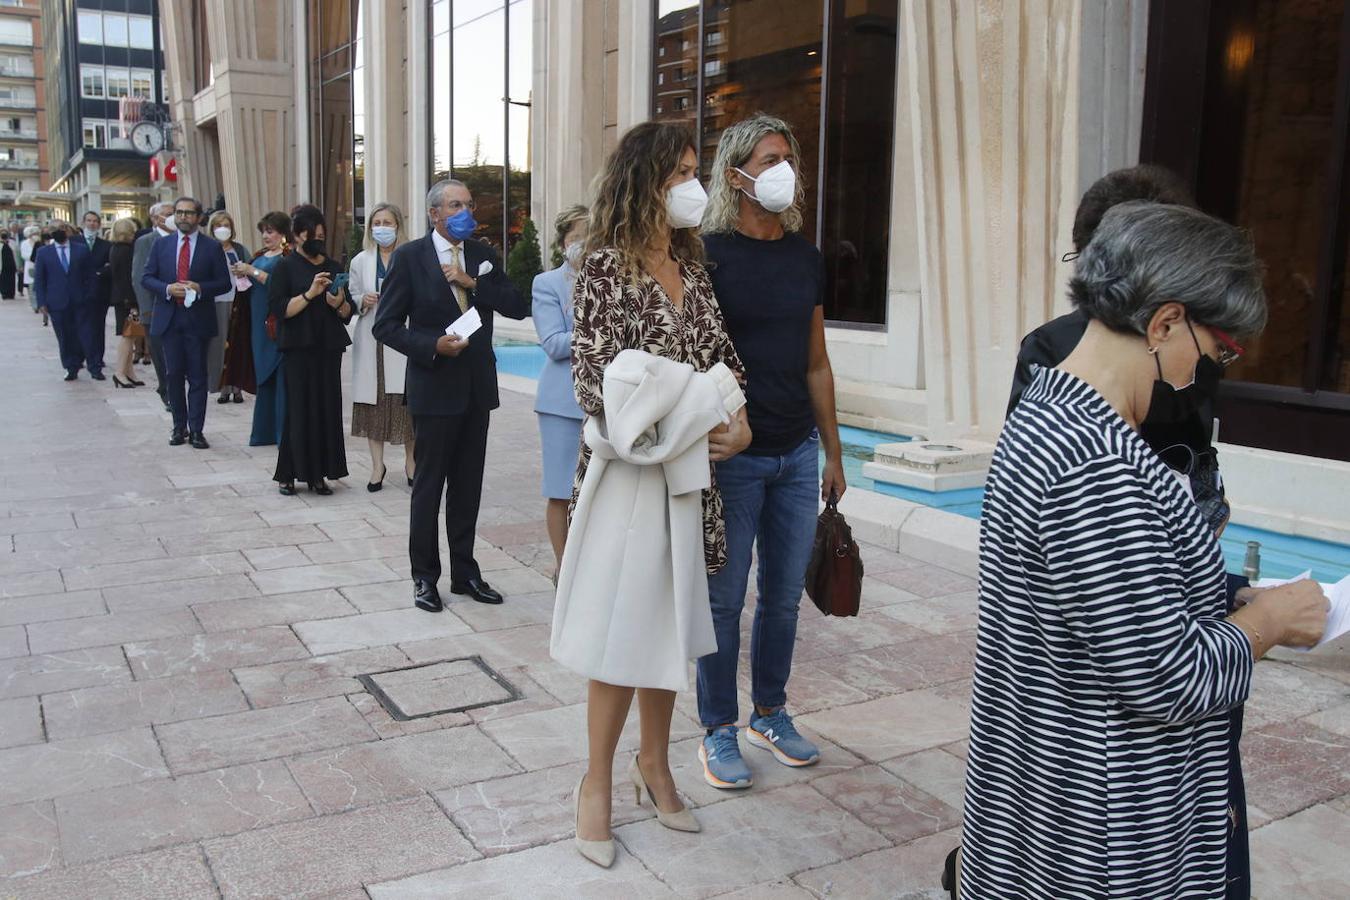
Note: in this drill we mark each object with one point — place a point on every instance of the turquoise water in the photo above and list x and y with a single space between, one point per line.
1282 555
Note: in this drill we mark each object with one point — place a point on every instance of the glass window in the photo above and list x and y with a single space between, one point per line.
17 31
95 133
746 66
91 81
359 127
520 60
114 30
441 125
478 136
142 34
90 27
332 30
119 83
143 83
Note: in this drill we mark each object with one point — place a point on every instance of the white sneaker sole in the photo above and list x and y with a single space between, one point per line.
716 782
755 739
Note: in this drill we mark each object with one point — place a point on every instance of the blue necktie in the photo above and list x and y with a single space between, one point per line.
65 263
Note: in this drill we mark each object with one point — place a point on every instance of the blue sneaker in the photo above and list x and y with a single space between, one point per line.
776 733
723 767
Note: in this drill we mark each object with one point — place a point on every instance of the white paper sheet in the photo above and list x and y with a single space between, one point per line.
1338 618
189 297
466 324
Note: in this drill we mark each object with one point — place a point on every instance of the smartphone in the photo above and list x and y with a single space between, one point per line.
231 257
339 282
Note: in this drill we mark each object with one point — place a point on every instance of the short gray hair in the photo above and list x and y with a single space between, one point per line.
162 206
436 195
1146 254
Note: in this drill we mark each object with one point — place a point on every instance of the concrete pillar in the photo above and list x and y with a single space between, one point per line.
417 127
386 98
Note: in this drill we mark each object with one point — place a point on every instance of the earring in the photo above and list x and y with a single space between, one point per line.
1152 351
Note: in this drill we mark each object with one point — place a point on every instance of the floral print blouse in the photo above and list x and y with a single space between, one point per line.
614 312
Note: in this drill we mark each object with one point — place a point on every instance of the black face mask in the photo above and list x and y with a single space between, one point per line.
313 247
59 235
1179 415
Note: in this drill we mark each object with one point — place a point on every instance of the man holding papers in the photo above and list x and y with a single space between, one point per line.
436 309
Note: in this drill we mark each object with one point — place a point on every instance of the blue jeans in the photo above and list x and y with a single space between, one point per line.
771 500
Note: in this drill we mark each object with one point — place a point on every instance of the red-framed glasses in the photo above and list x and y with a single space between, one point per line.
1230 351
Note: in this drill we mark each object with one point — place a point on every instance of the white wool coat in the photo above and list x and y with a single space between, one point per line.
361 281
632 605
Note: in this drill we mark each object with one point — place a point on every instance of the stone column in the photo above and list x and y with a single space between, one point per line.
386 98
418 126
993 90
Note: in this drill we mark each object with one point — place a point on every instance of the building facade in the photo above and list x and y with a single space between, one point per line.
105 69
23 116
945 145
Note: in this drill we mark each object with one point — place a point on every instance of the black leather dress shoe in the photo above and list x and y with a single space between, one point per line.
199 441
178 438
425 596
72 375
478 590
98 376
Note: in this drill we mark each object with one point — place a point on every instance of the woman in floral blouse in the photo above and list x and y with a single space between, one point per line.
643 286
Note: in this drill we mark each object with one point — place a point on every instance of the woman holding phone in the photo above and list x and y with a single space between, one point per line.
307 294
378 412
236 349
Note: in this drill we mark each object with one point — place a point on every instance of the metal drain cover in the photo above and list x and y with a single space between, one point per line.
431 689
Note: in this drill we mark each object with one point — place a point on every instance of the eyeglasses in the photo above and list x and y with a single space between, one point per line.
186 212
1229 350
455 206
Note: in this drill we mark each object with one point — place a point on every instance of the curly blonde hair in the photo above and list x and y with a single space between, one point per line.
734 150
629 212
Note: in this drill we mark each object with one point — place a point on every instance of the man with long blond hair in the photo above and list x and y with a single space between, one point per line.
770 283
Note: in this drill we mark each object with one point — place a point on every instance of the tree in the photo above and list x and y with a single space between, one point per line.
524 262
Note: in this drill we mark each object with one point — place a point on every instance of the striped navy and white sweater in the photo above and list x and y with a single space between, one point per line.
1104 668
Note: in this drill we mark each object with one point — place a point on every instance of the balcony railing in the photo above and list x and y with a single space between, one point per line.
17 72
25 164
21 134
18 103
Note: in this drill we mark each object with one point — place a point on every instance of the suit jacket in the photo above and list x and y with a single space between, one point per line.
56 288
416 306
207 268
100 271
140 255
551 308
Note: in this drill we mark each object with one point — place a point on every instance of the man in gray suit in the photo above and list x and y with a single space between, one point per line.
140 255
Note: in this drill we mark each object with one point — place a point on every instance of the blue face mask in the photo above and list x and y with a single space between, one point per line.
461 225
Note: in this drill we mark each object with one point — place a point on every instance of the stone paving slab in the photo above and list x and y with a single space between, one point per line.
215 651
260 734
165 811
321 856
177 727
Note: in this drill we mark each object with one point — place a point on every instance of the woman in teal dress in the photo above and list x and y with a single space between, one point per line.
269 411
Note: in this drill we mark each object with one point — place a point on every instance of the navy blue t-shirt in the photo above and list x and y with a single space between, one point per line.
768 292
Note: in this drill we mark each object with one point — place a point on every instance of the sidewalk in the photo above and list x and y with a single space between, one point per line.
182 717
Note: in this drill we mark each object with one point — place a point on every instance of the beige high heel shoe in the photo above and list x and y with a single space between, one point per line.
599 852
679 821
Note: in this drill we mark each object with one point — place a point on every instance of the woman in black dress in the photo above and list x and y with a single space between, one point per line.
312 337
9 267
122 297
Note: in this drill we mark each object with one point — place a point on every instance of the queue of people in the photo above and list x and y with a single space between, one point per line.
683 413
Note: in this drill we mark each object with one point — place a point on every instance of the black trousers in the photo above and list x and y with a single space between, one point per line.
94 333
450 455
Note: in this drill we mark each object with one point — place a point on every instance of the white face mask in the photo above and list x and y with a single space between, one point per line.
572 253
775 188
685 203
222 233
384 235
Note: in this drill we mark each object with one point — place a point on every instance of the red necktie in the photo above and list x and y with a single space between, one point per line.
184 257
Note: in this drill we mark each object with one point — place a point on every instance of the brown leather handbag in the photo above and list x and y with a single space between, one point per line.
834 575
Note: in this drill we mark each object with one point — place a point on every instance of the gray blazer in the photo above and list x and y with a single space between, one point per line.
552 313
140 255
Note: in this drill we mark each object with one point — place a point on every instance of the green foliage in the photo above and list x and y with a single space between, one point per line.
524 261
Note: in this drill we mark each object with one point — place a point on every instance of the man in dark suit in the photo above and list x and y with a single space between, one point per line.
94 311
451 385
60 281
161 215
186 271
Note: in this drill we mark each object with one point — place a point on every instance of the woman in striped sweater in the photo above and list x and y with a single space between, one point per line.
1106 659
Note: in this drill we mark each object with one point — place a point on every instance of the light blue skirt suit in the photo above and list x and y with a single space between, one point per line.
555 401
